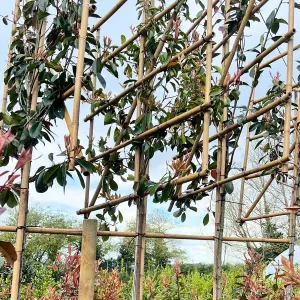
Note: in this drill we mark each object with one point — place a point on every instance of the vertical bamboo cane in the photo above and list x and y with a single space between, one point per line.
289 83
13 30
206 121
88 259
91 133
220 205
295 196
137 289
246 153
78 79
23 207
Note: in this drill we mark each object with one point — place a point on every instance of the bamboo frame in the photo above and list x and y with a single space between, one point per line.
150 235
148 75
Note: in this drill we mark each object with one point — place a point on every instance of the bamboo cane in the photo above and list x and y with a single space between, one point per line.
154 235
237 176
88 258
295 195
111 203
237 40
203 15
13 30
289 82
275 58
269 96
154 130
187 179
206 120
227 37
117 51
108 15
149 76
279 214
260 195
253 176
246 153
91 132
78 80
221 174
23 206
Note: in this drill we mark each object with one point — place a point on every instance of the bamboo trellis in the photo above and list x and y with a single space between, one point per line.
147 75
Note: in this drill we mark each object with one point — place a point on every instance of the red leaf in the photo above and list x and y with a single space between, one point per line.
3 173
5 139
24 157
12 178
2 210
216 9
292 208
214 174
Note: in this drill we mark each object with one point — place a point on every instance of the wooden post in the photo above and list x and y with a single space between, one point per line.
13 31
78 80
88 260
289 82
220 195
23 206
206 120
295 195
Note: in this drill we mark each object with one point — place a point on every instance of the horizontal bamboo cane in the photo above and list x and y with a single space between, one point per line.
70 91
108 15
253 176
275 58
235 177
284 213
154 235
267 97
261 135
149 76
111 203
184 116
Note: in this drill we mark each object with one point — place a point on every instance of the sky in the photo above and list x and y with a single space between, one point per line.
70 201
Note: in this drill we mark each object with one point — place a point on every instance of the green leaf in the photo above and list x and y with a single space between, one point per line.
40 185
35 129
178 213
130 177
86 165
270 19
113 185
215 90
123 39
50 156
51 174
4 197
183 217
12 200
120 217
101 80
206 219
108 119
80 178
229 188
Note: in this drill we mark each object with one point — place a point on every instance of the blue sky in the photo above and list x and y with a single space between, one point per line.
73 199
